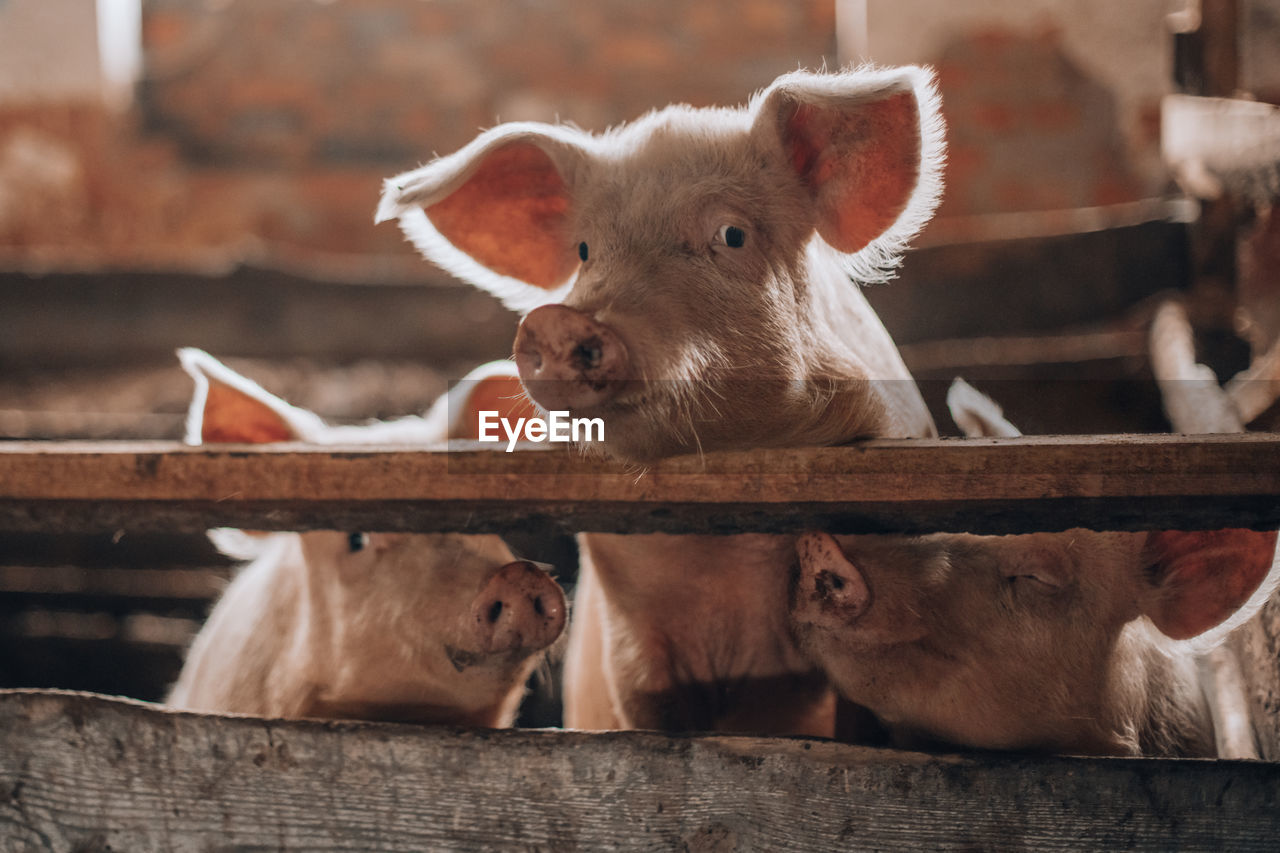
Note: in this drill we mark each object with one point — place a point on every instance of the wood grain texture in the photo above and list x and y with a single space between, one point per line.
82 772
981 485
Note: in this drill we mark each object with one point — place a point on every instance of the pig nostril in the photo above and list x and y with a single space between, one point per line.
588 354
495 610
837 582
537 606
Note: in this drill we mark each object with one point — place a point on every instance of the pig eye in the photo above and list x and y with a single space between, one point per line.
357 541
732 236
1037 572
582 251
1034 581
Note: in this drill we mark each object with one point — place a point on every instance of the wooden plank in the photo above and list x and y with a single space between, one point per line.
104 318
137 669
119 591
1087 265
1031 285
81 772
983 485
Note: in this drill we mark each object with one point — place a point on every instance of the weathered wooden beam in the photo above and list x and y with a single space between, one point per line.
120 591
101 319
81 772
1089 265
957 291
982 485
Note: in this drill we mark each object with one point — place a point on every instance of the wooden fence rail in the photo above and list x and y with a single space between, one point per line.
1117 482
87 773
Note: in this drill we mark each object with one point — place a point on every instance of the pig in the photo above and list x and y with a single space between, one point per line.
686 276
686 279
427 628
1079 641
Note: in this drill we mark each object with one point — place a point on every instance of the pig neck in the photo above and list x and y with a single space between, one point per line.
853 344
1143 699
300 671
697 635
243 660
261 625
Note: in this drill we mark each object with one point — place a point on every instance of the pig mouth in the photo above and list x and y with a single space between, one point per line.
464 659
461 658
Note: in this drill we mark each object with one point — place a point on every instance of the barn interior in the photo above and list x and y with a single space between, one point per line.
204 173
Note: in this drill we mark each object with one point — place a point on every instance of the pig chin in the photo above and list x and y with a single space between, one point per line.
463 659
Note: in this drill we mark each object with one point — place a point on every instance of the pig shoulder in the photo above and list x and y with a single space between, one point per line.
249 658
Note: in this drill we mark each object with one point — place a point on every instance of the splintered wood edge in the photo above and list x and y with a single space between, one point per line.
79 771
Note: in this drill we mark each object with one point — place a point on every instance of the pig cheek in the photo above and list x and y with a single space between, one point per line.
899 611
656 339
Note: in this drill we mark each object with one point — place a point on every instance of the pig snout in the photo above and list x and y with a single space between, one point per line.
567 360
520 608
831 591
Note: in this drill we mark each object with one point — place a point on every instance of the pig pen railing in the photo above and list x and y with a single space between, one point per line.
90 773
996 485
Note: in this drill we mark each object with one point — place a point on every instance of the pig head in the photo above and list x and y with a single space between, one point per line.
687 276
1078 641
415 627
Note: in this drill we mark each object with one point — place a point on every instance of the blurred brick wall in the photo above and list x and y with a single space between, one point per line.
1260 49
1050 103
263 128
29 69
295 82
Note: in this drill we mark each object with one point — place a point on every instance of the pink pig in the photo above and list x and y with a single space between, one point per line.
1079 641
440 628
687 278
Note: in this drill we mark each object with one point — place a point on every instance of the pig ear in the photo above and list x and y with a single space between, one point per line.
977 415
491 387
1205 580
868 147
243 544
228 408
498 212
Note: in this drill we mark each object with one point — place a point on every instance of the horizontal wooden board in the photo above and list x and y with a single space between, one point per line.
66 319
82 772
982 485
1033 285
1067 267
169 590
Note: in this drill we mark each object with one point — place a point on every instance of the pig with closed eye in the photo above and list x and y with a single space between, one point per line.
687 279
1079 641
430 627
